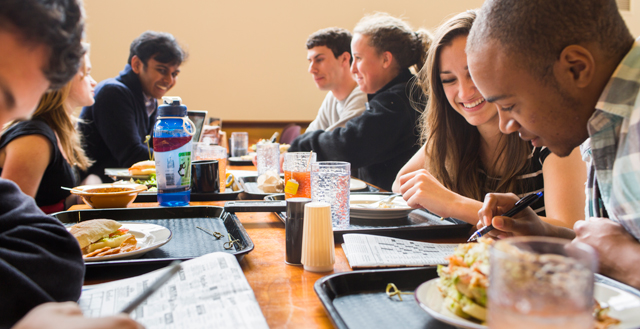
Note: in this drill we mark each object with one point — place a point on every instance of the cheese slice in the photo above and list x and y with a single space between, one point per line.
108 242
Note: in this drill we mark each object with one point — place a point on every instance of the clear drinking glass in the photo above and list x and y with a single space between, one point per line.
205 151
239 144
330 183
268 158
541 282
297 166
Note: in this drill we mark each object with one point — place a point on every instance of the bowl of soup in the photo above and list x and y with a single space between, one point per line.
109 195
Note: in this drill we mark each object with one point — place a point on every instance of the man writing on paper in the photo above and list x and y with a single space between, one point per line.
329 55
564 74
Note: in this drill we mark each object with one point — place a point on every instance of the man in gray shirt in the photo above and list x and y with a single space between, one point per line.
329 55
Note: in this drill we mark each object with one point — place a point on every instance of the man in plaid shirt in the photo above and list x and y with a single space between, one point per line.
562 72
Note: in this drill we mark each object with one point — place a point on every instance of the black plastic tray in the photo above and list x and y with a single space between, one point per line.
420 224
228 195
187 241
358 299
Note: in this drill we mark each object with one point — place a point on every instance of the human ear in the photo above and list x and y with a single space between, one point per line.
387 58
577 64
344 58
136 64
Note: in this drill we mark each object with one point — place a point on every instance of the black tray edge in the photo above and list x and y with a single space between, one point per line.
325 293
239 254
196 197
460 229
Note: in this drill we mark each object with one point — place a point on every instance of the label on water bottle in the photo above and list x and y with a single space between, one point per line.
173 169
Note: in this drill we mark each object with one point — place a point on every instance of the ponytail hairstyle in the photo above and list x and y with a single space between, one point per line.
452 145
388 33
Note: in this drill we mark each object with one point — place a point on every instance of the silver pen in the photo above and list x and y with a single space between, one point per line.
174 268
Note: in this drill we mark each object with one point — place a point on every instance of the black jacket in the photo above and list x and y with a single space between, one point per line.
115 127
377 143
39 260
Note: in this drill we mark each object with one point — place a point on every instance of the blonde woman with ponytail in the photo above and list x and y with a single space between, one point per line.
465 156
380 141
43 153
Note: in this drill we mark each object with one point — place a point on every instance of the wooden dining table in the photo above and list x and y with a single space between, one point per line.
285 292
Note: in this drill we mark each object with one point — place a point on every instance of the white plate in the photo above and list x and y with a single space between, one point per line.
358 201
623 305
357 185
149 237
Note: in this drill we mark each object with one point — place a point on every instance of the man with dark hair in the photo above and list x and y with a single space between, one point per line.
329 55
566 73
116 125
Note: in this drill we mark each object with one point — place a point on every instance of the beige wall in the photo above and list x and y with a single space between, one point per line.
248 58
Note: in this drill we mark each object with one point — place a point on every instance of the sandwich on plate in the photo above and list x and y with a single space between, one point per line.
102 237
143 168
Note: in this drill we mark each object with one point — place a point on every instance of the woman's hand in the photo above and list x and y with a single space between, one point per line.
421 190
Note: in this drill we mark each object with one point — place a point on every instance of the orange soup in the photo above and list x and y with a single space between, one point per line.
109 190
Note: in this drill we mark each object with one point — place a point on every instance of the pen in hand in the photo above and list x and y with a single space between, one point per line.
174 268
521 205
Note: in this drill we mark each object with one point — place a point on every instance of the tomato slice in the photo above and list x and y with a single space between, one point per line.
121 231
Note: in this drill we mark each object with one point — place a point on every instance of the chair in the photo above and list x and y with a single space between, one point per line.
289 133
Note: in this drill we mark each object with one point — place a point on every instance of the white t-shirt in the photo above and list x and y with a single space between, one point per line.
334 113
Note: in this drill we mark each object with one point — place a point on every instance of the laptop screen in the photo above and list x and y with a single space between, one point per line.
197 117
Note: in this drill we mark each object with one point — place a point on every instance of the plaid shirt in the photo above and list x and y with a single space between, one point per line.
613 150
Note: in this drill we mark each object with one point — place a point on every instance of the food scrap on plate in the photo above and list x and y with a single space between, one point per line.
270 182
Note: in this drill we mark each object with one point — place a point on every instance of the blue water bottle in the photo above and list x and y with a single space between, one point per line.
172 136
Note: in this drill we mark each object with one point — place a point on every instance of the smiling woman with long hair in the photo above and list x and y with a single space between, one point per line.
42 154
465 156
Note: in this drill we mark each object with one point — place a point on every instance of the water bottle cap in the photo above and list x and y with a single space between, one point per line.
171 100
172 106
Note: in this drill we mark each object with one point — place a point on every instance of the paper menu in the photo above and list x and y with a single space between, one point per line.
209 291
367 251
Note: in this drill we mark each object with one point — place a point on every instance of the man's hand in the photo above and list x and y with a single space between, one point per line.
69 316
525 222
618 251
